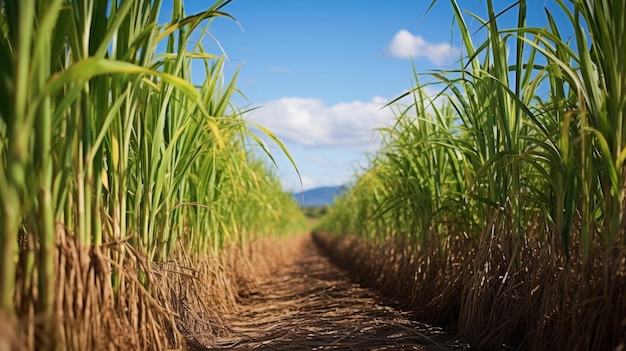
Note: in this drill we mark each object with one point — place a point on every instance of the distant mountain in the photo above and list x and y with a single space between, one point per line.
319 197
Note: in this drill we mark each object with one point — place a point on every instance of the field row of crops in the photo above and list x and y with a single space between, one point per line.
117 172
498 204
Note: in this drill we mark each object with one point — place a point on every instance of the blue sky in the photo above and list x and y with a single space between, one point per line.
321 70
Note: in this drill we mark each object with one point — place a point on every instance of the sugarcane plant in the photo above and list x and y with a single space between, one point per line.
521 152
106 139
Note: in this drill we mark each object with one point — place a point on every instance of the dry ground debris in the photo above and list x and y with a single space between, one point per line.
312 305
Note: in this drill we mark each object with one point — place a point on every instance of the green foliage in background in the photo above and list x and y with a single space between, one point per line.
315 212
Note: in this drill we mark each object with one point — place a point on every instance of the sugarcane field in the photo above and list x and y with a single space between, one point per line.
312 175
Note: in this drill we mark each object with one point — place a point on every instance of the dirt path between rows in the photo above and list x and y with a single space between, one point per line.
312 305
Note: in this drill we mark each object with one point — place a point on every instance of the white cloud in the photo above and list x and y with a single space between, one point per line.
328 142
310 122
315 181
406 45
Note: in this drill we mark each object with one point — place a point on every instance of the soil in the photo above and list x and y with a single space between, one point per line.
310 304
